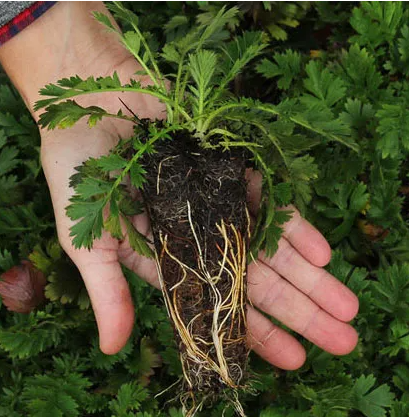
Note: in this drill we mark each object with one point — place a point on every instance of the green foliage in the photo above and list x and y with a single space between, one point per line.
129 398
393 129
287 67
31 335
329 130
47 395
371 402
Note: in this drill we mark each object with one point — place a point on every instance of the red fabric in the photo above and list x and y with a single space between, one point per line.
22 20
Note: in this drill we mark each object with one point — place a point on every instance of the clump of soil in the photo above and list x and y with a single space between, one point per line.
196 200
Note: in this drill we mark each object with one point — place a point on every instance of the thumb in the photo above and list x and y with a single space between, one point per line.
110 296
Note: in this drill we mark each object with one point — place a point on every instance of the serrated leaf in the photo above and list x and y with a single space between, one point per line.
46 395
372 402
67 113
26 339
129 398
89 226
324 86
100 360
202 65
137 173
113 224
238 53
144 363
357 115
398 339
392 291
393 130
111 162
137 241
359 70
287 67
91 187
376 22
105 20
8 159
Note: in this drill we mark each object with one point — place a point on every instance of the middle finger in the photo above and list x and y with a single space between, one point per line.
319 285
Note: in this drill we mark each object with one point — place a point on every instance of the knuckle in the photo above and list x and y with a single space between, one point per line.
309 321
284 255
272 293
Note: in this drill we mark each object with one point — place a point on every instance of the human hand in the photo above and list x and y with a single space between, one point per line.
291 286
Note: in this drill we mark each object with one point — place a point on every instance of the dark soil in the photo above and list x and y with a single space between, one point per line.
183 178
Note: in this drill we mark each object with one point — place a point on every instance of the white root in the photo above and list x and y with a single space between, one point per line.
233 265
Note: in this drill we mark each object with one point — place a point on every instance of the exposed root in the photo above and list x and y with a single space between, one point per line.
197 205
228 309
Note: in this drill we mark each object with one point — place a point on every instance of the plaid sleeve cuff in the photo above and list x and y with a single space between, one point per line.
22 20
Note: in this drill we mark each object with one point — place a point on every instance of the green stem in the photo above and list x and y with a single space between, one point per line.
138 154
271 110
141 63
74 93
148 52
177 87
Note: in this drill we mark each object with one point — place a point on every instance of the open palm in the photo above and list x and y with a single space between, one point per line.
291 286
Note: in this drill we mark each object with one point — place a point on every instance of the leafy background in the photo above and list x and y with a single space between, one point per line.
344 65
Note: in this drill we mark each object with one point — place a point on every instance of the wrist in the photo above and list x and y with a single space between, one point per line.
65 41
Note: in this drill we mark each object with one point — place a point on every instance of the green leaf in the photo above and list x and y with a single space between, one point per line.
392 291
324 86
66 286
144 363
111 162
376 22
100 360
67 88
372 402
3 138
393 130
359 71
171 54
137 241
8 159
400 409
287 67
216 25
27 339
238 53
89 227
46 395
398 339
350 199
302 171
202 66
91 187
112 224
357 115
354 278
105 20
133 42
67 113
137 174
175 22
129 398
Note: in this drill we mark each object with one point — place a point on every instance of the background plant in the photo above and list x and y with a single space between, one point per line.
348 74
